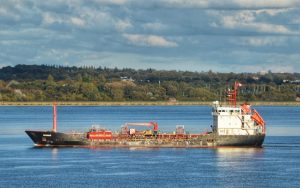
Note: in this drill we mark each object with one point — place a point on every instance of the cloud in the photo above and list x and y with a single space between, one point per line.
231 23
98 20
111 2
14 42
261 41
265 68
50 18
6 14
295 21
228 35
122 25
154 26
77 21
250 61
247 21
149 40
273 12
230 4
264 4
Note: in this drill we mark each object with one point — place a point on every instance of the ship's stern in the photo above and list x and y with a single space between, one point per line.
241 140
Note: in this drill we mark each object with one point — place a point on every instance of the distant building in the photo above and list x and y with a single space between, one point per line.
262 73
125 78
19 92
291 81
172 100
295 81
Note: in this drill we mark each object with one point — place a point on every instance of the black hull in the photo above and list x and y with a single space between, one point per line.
240 140
49 138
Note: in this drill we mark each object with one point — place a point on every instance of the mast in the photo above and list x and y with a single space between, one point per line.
54 116
232 95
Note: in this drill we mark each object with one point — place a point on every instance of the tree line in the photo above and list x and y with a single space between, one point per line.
61 83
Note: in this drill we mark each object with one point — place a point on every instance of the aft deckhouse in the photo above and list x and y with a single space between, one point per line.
229 120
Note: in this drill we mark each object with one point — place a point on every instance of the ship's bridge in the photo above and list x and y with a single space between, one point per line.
230 120
226 110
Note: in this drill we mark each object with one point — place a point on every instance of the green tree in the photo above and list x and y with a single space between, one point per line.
50 79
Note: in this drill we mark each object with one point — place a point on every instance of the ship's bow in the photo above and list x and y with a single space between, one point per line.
39 137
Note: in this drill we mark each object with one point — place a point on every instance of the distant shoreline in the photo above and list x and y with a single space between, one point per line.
140 103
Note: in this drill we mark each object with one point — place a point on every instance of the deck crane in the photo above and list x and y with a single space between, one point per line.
147 124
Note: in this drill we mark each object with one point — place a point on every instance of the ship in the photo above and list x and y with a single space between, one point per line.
232 125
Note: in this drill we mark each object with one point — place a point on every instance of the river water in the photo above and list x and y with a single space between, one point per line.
277 164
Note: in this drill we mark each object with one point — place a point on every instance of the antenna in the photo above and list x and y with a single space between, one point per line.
232 95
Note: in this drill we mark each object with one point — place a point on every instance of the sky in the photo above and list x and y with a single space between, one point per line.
193 35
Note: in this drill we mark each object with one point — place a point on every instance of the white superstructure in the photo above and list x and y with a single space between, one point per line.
242 120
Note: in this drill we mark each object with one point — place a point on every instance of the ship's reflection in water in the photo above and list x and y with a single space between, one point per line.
235 166
54 153
232 152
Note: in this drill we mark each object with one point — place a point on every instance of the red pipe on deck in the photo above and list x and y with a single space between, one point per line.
54 117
